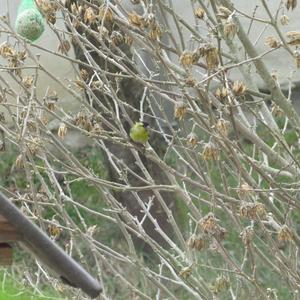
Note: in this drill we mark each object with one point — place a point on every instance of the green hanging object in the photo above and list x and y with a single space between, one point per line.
30 22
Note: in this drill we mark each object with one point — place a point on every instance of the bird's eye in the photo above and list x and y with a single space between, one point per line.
145 124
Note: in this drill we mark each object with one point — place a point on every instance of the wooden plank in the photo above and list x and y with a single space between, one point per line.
8 232
5 254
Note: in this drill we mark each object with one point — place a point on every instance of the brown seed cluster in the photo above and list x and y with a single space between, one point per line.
230 29
284 20
247 235
88 122
210 227
190 81
54 231
199 13
206 50
253 211
33 145
185 272
180 110
197 242
221 284
136 20
272 42
149 22
238 88
285 234
15 58
277 111
106 14
221 93
192 139
212 58
294 38
62 131
223 126
291 4
186 58
48 8
117 38
245 190
27 81
224 12
210 152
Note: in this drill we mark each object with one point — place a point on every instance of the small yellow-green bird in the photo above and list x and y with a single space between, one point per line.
139 133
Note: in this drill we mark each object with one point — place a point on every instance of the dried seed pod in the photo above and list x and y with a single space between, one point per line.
212 58
106 14
277 111
197 242
221 284
192 139
247 210
83 121
245 190
47 6
284 234
199 13
136 20
33 145
54 230
260 210
51 18
221 93
84 75
208 224
155 32
150 20
6 50
220 233
117 38
223 126
62 131
190 81
89 16
272 42
230 29
239 88
180 110
186 59
128 40
294 38
291 4
185 272
210 152
224 12
27 81
284 20
247 235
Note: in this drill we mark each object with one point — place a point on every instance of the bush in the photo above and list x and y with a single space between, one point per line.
208 207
